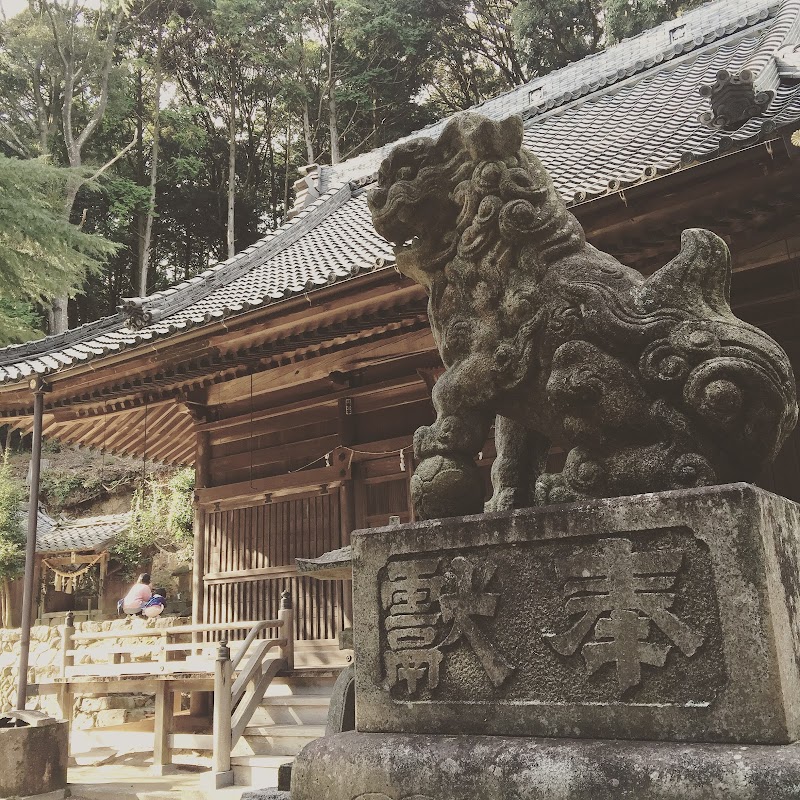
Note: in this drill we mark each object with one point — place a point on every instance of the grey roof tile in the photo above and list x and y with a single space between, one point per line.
87 533
623 116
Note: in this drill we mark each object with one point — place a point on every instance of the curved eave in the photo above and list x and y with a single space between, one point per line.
208 348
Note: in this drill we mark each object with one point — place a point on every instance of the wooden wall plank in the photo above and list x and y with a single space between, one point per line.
269 537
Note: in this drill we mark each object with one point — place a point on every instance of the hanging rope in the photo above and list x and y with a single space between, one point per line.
327 456
67 580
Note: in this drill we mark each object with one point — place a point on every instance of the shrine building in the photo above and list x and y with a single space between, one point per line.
293 375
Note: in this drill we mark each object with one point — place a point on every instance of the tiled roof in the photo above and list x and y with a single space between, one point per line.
651 49
44 522
660 129
623 116
88 533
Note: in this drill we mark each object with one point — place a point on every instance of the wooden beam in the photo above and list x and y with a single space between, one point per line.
280 484
224 430
165 445
300 451
131 438
125 427
320 367
248 575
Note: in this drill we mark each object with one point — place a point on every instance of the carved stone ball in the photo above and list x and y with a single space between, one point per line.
444 486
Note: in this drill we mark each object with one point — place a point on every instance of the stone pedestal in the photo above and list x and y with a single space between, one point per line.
501 655
33 761
395 766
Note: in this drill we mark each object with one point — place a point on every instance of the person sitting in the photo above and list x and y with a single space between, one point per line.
139 594
156 604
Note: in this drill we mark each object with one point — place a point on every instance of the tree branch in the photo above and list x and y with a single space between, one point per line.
109 60
116 158
19 147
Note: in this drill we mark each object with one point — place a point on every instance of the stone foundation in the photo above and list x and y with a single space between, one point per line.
91 711
643 647
373 766
660 616
33 760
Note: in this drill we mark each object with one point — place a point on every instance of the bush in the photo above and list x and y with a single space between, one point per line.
161 521
12 534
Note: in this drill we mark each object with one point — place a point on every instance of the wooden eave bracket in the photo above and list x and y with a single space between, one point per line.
265 490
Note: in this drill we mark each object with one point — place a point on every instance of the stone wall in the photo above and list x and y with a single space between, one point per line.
45 658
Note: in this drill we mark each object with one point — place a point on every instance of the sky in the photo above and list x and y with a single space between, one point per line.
12 7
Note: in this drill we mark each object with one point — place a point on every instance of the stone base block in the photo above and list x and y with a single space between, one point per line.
671 616
33 760
374 766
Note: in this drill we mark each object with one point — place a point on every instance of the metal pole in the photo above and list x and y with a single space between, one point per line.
30 549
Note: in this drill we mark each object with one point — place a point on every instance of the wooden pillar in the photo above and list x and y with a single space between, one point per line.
347 511
30 547
221 772
162 750
202 480
199 702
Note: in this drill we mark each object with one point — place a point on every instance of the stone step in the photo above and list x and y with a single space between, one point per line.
299 709
277 740
258 770
305 681
298 700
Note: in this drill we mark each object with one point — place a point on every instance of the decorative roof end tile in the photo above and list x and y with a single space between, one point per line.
137 314
306 189
734 100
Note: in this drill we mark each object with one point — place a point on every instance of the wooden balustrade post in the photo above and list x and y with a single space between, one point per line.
286 615
221 772
162 745
66 643
64 697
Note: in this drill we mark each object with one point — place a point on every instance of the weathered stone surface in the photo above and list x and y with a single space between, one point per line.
332 566
342 709
363 766
661 616
266 794
33 761
652 382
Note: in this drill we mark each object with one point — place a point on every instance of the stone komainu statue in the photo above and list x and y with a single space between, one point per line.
652 383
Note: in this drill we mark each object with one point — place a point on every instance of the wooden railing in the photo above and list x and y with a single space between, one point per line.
242 672
165 657
236 700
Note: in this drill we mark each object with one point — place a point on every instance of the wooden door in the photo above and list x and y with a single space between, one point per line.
250 559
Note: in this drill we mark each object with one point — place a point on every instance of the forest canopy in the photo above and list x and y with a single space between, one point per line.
184 124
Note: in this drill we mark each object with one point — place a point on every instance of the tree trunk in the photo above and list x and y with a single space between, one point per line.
73 140
333 118
375 126
286 163
139 217
5 603
151 208
231 163
309 136
59 308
